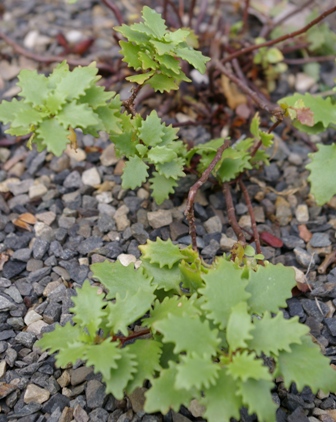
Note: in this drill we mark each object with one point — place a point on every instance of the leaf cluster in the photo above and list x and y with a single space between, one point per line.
217 333
155 51
51 107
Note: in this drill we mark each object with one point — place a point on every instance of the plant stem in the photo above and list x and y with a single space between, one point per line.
305 60
301 31
129 103
132 336
111 5
251 213
245 16
189 212
51 59
231 213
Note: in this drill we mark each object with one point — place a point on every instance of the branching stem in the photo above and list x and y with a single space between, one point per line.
231 213
189 212
129 103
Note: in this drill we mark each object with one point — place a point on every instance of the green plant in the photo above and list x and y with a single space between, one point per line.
214 333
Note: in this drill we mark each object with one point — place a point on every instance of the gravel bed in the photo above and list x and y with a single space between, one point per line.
58 215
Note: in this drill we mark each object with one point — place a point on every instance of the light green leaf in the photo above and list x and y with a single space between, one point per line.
244 366
130 53
96 96
161 187
221 401
75 83
120 279
71 354
147 62
161 154
60 70
270 286
254 127
163 395
77 115
132 35
178 36
134 173
239 327
186 331
164 278
9 109
161 252
154 21
54 135
103 357
160 82
274 55
147 354
34 87
257 397
51 341
108 117
121 375
151 130
27 117
88 310
54 102
140 79
224 288
170 62
323 173
195 371
193 57
306 366
127 310
172 169
162 47
271 335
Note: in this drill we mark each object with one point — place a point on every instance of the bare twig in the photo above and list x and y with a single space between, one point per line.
305 60
231 213
176 11
129 103
201 15
189 212
51 59
245 16
252 216
111 5
268 28
275 110
328 260
301 31
191 12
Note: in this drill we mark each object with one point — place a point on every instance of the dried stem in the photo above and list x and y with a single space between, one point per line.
268 28
129 103
245 16
231 213
267 106
252 216
51 59
305 60
301 31
189 212
328 260
111 5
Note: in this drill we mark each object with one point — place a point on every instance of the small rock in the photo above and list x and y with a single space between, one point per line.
36 327
213 225
320 240
304 233
37 191
121 219
73 180
160 218
79 375
126 259
303 257
302 214
32 316
283 211
77 154
35 394
91 177
95 394
80 415
47 217
137 399
6 305
108 156
226 243
196 409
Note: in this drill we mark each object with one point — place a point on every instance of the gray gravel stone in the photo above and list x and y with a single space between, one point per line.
99 415
95 394
6 304
90 244
320 240
13 268
40 247
26 339
38 274
22 254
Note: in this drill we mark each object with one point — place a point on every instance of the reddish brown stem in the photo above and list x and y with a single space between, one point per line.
301 31
191 12
132 336
176 11
252 216
231 213
245 16
189 212
129 103
51 59
111 5
305 60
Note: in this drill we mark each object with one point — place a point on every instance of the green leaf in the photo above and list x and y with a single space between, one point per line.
178 36
163 395
60 70
75 83
245 365
109 119
103 357
164 278
124 143
270 286
162 47
254 127
306 366
170 62
134 173
88 310
239 326
120 279
161 154
172 169
154 21
27 117
132 35
96 96
121 375
257 397
161 252
127 310
162 187
54 102
274 55
193 57
51 341
34 87
323 173
130 53
272 335
177 306
147 62
160 82
70 354
224 288
9 109
151 131
221 401
140 79
147 354
186 331
54 135
195 371
77 115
